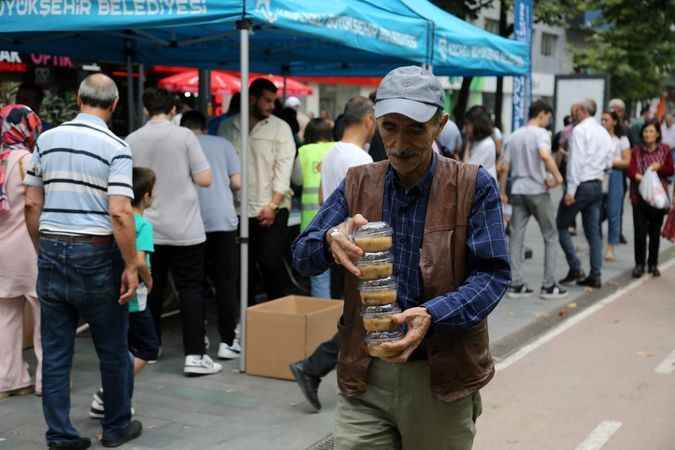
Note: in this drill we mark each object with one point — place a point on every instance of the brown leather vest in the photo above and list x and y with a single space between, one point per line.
460 359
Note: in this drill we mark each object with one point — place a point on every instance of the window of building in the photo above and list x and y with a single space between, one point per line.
549 43
492 26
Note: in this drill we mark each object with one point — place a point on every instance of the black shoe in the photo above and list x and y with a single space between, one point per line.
638 271
553 292
520 291
654 270
528 253
75 444
572 277
309 385
133 431
590 282
622 240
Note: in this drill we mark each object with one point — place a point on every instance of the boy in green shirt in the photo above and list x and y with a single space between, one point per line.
142 337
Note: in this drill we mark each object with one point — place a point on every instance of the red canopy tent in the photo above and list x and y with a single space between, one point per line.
223 83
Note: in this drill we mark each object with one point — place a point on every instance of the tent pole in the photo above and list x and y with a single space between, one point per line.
285 82
204 91
141 87
130 95
244 27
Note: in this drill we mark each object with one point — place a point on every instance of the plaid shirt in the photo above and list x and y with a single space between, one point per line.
405 210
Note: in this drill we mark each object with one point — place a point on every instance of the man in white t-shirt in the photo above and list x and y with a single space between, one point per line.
359 123
530 158
216 203
176 157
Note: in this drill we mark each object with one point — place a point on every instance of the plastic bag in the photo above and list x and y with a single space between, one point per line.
668 230
652 191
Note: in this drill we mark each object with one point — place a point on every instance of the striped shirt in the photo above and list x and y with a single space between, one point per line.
80 164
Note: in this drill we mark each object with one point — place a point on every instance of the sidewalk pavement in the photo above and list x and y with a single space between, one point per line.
241 412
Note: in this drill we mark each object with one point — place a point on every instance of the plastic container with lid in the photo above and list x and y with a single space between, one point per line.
379 318
374 341
374 237
376 265
378 292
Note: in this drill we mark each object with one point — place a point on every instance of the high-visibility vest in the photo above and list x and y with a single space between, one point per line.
311 156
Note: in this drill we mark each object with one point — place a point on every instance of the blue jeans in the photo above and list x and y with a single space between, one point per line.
614 207
320 285
82 280
588 201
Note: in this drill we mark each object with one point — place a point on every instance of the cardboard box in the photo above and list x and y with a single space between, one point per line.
286 330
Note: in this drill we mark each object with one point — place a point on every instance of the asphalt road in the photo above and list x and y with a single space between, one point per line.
603 379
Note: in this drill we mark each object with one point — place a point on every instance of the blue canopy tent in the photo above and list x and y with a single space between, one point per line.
290 37
295 37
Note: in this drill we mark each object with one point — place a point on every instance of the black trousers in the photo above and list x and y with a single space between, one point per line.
222 267
267 247
647 221
186 264
324 358
337 282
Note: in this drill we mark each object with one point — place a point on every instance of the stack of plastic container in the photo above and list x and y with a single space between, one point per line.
378 288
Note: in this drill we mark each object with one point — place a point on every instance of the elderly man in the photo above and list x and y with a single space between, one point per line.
452 265
79 215
589 147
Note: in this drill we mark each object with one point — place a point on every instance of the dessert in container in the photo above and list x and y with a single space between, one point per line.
376 265
379 318
374 343
378 292
374 237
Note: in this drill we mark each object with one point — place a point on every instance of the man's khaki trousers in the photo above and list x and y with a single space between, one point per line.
399 412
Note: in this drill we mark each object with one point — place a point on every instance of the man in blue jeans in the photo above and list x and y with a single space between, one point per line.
589 155
79 215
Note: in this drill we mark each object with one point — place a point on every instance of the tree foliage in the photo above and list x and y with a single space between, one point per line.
634 42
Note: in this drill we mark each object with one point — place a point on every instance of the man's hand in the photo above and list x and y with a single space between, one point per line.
418 321
129 283
145 275
504 198
266 216
344 251
569 200
552 182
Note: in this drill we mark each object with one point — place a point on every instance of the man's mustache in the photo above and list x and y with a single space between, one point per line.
402 153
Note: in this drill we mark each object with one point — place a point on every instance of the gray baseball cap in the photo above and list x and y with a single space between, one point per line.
411 91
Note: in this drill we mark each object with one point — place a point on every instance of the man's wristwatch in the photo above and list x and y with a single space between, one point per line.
273 206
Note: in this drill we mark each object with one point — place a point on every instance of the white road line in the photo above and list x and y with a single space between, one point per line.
667 366
574 320
600 436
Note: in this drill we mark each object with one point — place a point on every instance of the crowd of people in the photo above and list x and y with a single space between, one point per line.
101 229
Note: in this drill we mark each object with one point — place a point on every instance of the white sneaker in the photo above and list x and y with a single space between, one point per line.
227 352
200 365
236 347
